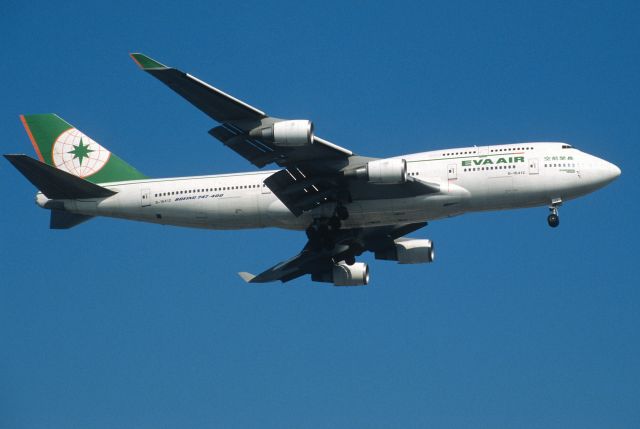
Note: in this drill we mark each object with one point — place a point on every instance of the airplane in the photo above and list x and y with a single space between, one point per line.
346 203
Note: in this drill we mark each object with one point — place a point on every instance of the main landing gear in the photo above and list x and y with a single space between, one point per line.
323 230
553 219
342 213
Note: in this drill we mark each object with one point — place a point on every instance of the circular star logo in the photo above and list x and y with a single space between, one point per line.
78 154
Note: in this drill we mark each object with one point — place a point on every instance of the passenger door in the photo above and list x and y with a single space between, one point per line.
145 198
452 172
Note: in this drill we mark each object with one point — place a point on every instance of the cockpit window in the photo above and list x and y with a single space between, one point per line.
566 146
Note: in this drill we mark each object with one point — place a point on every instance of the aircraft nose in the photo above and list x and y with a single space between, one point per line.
608 172
612 171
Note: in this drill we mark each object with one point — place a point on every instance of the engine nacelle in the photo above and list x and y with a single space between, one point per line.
381 171
409 251
350 275
387 171
298 132
344 275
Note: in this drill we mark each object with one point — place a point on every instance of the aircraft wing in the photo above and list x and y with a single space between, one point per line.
312 174
238 118
317 259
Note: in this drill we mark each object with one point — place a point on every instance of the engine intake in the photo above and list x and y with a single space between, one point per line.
298 132
409 251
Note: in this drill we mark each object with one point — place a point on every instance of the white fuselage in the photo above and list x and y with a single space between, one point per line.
470 179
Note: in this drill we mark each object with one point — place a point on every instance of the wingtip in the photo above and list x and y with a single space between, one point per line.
247 277
145 62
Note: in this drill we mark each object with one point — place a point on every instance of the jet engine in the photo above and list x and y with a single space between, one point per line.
345 275
351 275
292 133
409 251
382 171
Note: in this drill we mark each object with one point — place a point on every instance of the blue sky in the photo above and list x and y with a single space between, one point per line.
116 324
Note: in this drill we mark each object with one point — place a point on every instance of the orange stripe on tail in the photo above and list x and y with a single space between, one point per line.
137 62
33 141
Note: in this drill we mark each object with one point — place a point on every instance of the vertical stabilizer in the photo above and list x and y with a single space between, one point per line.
60 145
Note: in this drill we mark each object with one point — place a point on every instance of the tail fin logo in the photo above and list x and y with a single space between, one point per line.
78 154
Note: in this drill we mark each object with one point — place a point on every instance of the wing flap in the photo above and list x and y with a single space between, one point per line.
300 192
256 152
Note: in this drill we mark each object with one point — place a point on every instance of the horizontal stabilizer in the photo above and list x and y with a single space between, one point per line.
65 220
54 183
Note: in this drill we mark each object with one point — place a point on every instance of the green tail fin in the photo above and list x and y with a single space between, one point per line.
64 147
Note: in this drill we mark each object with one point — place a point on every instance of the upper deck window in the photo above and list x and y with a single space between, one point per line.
567 146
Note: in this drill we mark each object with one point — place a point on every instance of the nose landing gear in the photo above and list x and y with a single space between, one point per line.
553 219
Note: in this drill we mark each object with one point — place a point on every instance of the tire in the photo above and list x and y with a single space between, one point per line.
553 220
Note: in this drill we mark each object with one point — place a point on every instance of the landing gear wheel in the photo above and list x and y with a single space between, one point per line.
553 220
342 212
